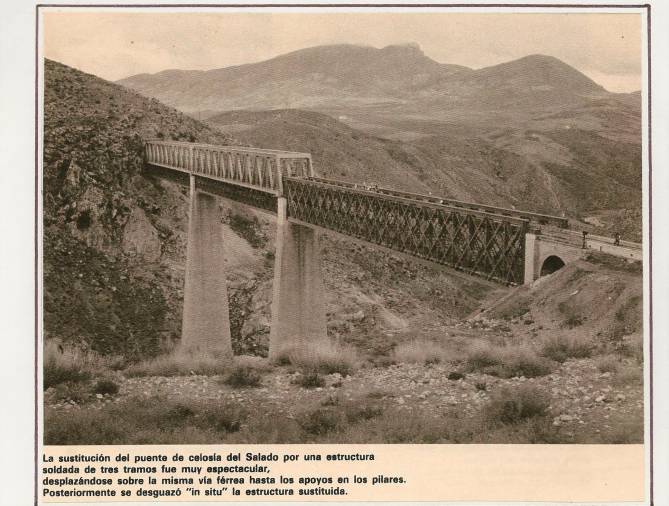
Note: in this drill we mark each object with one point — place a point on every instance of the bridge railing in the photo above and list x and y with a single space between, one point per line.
544 219
260 169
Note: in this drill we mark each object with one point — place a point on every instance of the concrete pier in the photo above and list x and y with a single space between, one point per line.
206 320
298 302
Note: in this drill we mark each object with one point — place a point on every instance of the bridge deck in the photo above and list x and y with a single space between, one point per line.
544 219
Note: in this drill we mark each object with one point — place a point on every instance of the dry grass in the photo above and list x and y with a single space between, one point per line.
514 416
326 358
608 363
309 380
419 352
628 375
66 364
507 361
181 363
242 376
142 420
509 406
631 346
246 371
630 432
560 348
105 386
260 364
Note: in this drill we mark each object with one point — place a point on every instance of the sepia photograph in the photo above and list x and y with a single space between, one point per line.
348 226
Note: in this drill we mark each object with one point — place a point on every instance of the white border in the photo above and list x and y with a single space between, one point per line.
17 201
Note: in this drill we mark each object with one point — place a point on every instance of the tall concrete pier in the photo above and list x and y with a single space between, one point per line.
298 302
206 320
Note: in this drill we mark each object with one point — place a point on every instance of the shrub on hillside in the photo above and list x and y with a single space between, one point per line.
77 392
105 386
181 363
243 376
509 406
359 410
572 316
326 358
483 357
628 375
419 352
322 421
66 364
560 348
608 363
397 427
142 420
506 362
309 380
525 362
631 346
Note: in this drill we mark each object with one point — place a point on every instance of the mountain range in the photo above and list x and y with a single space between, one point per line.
533 133
348 75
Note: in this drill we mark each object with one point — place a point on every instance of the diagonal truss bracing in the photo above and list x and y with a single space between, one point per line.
478 243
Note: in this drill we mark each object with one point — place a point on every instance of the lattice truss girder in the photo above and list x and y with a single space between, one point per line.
476 243
258 168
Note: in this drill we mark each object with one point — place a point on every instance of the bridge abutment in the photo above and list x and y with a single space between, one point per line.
540 249
531 253
298 302
206 320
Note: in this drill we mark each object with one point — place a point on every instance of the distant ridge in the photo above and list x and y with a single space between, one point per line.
345 74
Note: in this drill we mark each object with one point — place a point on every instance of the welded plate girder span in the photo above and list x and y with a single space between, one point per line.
476 243
241 194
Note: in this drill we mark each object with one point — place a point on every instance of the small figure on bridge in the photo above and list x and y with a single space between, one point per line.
616 241
585 244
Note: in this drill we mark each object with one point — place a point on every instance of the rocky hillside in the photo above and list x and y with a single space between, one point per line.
338 151
561 171
114 239
110 235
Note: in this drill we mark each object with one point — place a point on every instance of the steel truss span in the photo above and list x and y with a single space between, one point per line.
261 169
541 219
477 243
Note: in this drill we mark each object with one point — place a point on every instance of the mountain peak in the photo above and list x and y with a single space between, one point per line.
541 70
407 48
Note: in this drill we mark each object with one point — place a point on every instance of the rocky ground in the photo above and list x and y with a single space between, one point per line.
598 398
586 404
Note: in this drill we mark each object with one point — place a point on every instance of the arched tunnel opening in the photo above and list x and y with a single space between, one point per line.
551 264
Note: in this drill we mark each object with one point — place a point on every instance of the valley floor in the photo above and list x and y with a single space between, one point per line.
559 361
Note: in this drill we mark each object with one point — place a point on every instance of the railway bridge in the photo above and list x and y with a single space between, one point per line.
496 244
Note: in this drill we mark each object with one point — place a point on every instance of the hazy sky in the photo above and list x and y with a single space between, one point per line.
112 45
